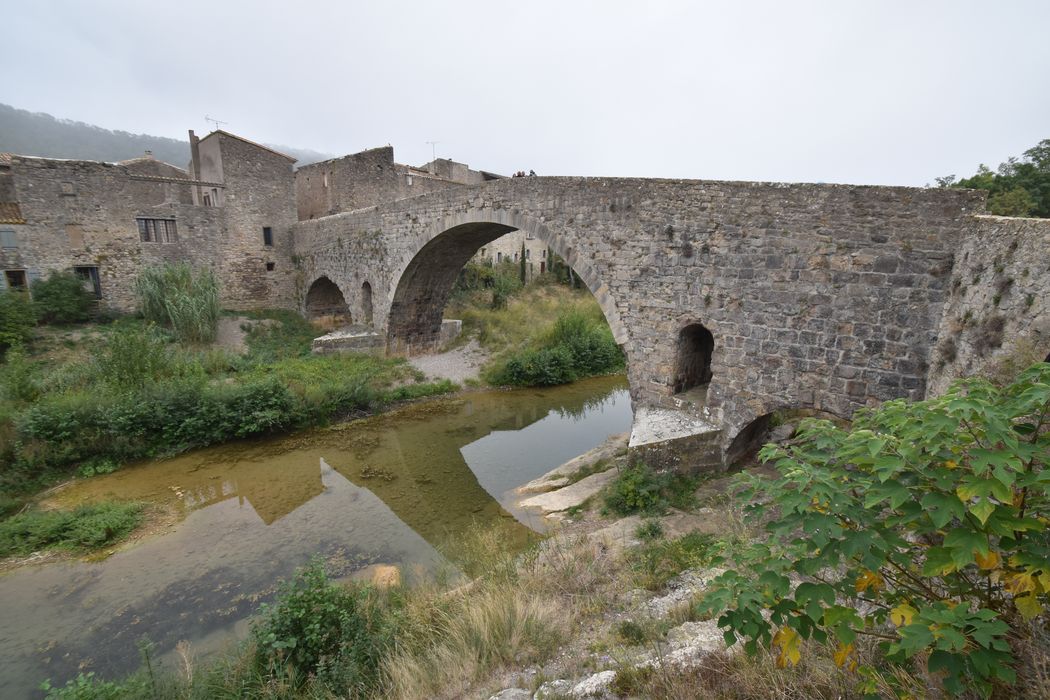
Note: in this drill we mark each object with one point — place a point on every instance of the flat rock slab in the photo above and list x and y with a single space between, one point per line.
653 424
571 495
559 476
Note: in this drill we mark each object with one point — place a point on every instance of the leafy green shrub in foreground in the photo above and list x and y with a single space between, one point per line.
339 634
923 527
62 298
86 527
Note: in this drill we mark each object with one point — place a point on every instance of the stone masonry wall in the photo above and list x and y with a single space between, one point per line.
818 296
84 213
997 312
259 192
357 181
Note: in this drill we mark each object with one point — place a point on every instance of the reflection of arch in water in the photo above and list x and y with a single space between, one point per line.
413 459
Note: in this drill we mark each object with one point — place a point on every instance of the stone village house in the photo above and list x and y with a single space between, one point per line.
233 210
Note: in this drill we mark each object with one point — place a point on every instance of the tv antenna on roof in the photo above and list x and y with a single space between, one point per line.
214 121
433 155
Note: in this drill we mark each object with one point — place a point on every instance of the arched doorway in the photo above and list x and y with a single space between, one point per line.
693 358
325 304
366 303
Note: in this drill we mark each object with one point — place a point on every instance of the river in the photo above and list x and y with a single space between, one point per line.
392 489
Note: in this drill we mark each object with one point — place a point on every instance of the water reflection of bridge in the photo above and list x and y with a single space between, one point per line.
411 459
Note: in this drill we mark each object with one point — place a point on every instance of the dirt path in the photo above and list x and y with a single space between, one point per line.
459 365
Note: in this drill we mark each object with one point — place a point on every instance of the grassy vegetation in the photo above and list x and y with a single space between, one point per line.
87 398
182 298
638 489
87 527
543 333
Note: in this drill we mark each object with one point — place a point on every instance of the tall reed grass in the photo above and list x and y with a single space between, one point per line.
186 300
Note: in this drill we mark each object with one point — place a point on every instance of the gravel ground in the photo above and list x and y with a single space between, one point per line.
458 365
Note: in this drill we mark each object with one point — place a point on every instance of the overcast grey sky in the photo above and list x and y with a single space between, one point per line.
837 91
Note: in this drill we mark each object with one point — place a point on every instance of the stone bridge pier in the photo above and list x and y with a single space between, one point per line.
731 300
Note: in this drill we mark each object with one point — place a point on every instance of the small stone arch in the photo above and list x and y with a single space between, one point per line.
325 304
366 303
692 367
763 428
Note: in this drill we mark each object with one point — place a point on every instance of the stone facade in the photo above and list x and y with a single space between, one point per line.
372 177
997 310
110 220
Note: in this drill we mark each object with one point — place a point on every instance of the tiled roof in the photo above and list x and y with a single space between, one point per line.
5 159
11 213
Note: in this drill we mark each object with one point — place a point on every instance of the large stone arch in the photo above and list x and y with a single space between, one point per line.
424 279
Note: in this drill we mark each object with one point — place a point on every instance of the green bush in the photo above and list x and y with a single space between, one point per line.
543 367
86 686
19 381
923 527
638 489
576 346
17 319
339 634
62 298
87 527
184 299
133 356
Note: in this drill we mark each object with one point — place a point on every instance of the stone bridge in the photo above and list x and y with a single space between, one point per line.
730 299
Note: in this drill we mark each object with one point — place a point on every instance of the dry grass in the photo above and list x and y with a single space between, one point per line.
467 639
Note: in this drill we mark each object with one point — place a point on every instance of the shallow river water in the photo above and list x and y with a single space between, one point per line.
386 490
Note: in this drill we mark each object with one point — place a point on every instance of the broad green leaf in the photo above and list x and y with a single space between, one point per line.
942 507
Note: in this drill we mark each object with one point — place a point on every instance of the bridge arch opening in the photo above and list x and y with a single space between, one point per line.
366 303
325 304
693 359
775 426
417 307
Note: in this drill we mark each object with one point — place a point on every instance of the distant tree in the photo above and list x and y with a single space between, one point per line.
521 261
1019 187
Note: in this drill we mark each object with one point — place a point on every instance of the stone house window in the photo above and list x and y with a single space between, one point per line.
528 254
267 235
8 239
207 199
89 275
499 257
544 256
270 266
16 279
157 230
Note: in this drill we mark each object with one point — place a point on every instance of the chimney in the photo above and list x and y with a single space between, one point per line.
195 160
149 154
